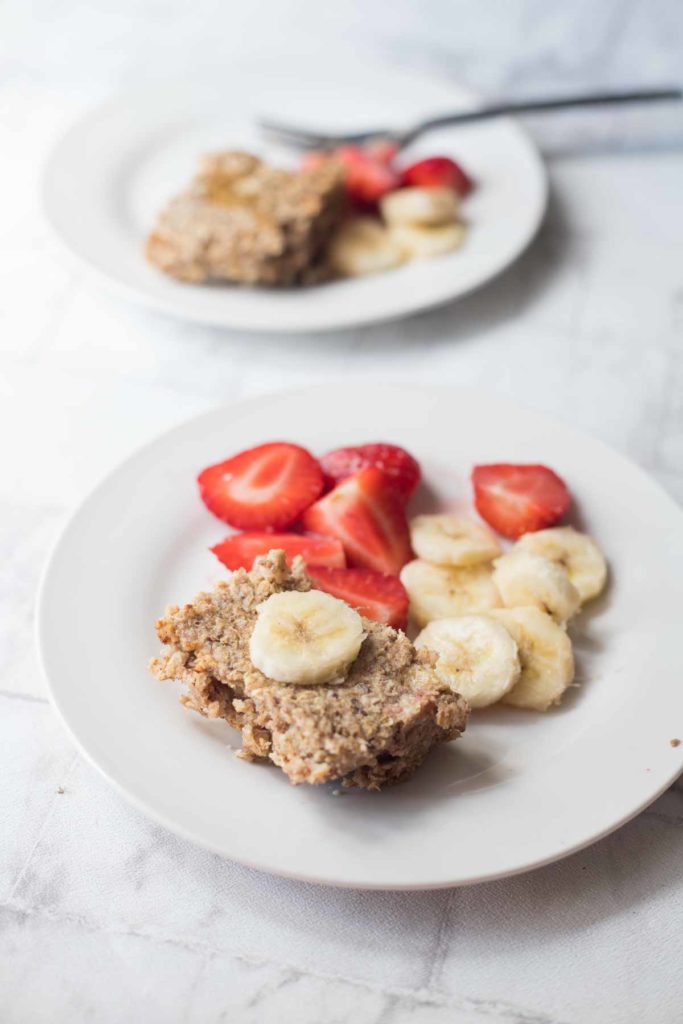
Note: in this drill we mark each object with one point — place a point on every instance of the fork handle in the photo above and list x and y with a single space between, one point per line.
540 106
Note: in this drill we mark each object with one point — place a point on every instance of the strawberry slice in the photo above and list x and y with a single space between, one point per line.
264 487
517 499
375 595
398 464
438 172
368 174
383 150
366 515
239 550
313 159
366 178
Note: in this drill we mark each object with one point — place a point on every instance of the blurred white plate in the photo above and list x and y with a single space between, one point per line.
517 791
109 177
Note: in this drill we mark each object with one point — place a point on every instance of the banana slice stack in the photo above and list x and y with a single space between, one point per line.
497 622
423 222
417 223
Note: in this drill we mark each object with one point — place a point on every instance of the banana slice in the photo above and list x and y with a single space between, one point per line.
417 241
545 654
576 552
476 657
452 540
420 206
443 591
305 637
363 246
523 579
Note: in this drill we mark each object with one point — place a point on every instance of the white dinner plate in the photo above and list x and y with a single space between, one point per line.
109 177
516 791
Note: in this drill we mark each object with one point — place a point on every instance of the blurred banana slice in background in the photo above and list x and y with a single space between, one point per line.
425 206
418 241
362 245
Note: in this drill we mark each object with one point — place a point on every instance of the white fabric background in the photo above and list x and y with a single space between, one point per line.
103 916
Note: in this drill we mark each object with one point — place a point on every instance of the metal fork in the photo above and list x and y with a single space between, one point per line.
303 139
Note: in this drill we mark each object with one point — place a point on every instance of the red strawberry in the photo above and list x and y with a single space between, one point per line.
368 518
368 174
375 595
398 464
438 172
382 150
240 549
266 487
517 499
313 159
367 178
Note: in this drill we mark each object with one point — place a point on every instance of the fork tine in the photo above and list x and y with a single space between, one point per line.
303 139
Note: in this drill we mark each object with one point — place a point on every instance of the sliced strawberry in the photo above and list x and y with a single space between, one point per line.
382 150
368 518
239 550
517 499
313 159
375 595
368 174
366 178
438 172
264 487
398 464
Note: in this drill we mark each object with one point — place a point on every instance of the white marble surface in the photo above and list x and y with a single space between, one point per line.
106 918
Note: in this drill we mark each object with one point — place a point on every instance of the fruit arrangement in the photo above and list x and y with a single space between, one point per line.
396 214
494 619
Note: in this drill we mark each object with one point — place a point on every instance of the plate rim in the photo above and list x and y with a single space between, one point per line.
173 307
187 834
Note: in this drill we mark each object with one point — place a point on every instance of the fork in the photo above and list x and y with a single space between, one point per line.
303 139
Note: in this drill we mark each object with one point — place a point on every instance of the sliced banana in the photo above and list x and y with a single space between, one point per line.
523 578
443 591
476 657
452 540
545 654
417 241
576 552
420 206
362 245
305 637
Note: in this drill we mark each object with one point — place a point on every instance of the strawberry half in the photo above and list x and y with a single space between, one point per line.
396 463
375 595
437 172
383 150
368 174
366 178
366 515
240 549
266 487
517 499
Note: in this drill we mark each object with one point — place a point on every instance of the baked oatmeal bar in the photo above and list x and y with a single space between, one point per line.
374 727
241 220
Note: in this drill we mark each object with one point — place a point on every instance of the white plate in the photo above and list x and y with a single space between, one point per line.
518 790
108 178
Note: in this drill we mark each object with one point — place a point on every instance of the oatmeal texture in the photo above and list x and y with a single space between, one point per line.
374 727
241 220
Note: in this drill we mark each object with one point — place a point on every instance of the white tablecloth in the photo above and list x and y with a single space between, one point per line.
105 917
